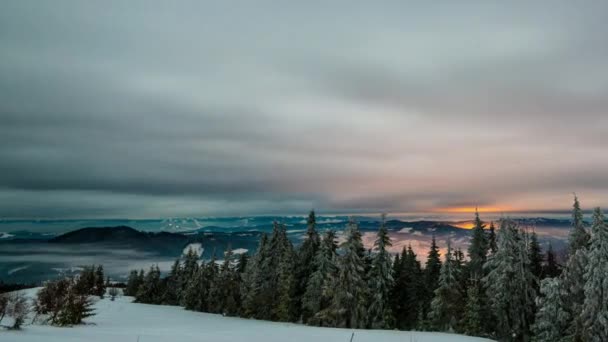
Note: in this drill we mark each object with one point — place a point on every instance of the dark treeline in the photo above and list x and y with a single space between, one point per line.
506 287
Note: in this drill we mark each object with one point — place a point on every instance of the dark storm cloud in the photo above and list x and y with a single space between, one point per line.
148 109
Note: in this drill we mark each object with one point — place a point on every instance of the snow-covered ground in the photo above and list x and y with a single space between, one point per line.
123 321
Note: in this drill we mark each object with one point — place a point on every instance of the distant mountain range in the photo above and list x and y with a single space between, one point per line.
31 256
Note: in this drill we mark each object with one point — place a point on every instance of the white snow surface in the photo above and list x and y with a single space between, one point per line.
124 321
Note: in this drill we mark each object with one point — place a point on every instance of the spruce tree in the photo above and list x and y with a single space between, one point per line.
573 275
445 306
305 264
579 238
397 265
351 290
551 319
319 290
473 313
151 291
408 291
595 306
381 281
510 284
478 249
100 285
432 271
536 256
215 287
132 284
254 282
242 263
492 238
173 285
550 268
228 281
195 294
285 310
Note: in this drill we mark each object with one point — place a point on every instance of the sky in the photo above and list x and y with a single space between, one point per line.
146 109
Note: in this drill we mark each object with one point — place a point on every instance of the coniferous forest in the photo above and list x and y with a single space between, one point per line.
505 286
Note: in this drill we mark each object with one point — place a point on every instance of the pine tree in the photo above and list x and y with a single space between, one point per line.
462 282
285 311
478 249
351 290
445 306
579 238
196 291
150 291
472 320
535 255
492 238
595 306
550 268
381 281
306 262
173 287
242 263
254 282
86 281
100 286
551 319
132 284
215 291
188 272
229 285
510 284
408 291
432 270
397 265
319 290
573 275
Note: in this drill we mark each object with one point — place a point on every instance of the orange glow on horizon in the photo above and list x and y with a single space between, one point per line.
464 225
471 210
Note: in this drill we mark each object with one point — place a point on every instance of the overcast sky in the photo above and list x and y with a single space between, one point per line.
154 109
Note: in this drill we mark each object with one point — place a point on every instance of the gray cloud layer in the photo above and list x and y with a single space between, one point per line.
148 109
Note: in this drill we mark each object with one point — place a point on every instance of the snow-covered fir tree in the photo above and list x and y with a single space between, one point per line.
349 305
196 291
253 278
572 278
214 296
229 285
445 306
286 307
100 285
432 271
473 313
305 263
133 283
595 306
510 284
579 237
319 290
191 260
551 319
173 285
478 249
409 288
535 255
550 268
492 239
381 281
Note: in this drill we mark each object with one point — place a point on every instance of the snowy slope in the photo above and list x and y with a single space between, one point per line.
123 321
